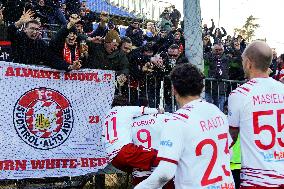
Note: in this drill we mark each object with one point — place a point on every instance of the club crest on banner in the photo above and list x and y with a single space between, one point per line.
43 118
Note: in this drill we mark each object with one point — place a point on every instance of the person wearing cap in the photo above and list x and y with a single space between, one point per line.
107 56
135 33
65 47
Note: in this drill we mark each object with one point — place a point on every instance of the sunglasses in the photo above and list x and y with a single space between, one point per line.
135 23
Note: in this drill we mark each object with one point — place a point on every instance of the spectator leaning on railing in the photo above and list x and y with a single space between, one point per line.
27 47
172 58
107 56
218 63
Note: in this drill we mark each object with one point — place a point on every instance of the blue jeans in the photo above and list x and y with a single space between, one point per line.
219 101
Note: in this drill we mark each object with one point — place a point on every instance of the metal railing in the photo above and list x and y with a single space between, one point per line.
147 92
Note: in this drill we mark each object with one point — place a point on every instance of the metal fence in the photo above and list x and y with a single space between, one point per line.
156 92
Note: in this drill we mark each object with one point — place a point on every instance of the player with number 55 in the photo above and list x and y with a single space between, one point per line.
256 111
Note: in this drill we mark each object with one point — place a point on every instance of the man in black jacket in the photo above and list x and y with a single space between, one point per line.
172 58
27 47
66 52
175 16
215 91
135 33
102 28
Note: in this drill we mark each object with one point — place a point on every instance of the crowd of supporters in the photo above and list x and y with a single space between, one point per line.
142 55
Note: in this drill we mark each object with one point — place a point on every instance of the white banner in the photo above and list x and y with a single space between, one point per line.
50 121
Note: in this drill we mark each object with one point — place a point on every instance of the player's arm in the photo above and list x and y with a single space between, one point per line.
234 116
170 151
159 177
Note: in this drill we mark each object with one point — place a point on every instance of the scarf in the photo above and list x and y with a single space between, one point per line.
68 55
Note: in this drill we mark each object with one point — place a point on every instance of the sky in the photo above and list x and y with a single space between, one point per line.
235 12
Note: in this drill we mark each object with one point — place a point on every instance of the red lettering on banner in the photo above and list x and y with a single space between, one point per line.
31 73
84 162
93 162
82 76
11 165
107 77
21 165
94 119
50 164
73 163
10 72
38 164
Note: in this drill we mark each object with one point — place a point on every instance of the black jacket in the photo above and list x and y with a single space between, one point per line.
26 50
218 69
100 59
56 46
175 15
136 38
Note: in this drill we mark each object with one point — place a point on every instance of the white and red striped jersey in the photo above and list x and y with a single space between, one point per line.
146 131
257 109
117 127
196 139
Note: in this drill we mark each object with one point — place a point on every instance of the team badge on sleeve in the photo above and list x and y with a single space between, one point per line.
43 118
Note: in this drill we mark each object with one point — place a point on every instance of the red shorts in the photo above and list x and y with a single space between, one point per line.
137 180
261 187
132 156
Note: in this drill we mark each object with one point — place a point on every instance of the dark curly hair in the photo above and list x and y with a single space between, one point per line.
187 80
